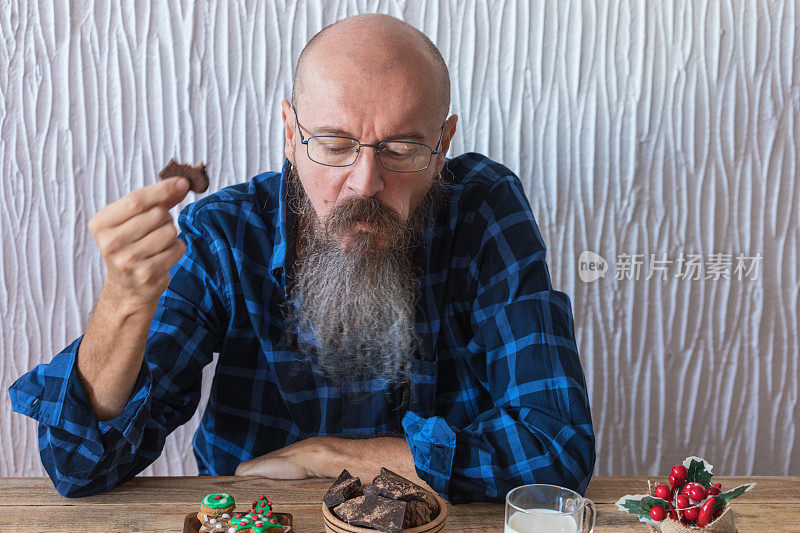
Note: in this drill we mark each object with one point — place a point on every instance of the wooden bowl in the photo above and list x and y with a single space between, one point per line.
334 525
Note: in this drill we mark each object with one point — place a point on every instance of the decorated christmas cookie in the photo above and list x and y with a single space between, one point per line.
217 515
214 524
254 522
262 505
217 504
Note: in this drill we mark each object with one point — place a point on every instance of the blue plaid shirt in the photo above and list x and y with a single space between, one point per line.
497 396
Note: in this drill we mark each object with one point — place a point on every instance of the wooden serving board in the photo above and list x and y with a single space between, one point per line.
192 525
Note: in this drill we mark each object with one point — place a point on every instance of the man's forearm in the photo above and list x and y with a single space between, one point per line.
364 457
110 355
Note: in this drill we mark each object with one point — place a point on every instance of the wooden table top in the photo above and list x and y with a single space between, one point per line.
160 504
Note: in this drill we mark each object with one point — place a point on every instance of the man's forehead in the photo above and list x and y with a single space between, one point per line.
391 101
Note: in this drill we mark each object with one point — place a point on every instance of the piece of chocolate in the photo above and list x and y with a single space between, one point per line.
396 487
198 179
373 511
417 513
391 485
345 487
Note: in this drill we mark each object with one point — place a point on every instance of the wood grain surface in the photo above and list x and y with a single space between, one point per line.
161 503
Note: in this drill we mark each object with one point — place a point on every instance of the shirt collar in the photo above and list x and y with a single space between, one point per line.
283 250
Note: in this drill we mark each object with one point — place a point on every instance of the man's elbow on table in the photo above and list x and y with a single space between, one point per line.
571 467
76 473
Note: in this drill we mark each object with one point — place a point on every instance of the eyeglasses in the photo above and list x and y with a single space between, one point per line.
396 156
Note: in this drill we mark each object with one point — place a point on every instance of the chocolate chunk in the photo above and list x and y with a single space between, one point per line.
391 485
372 511
369 488
198 179
396 487
417 513
344 488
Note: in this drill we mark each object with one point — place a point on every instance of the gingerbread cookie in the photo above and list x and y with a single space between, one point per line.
255 523
214 524
215 505
217 515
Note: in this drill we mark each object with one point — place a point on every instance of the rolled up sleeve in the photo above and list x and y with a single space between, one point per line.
84 456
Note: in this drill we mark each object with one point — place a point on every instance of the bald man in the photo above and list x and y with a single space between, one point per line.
372 304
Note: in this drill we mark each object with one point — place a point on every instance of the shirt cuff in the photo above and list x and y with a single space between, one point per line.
53 395
433 445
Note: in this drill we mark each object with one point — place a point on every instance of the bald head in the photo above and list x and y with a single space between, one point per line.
376 46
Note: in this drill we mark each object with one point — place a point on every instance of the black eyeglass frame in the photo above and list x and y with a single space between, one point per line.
377 147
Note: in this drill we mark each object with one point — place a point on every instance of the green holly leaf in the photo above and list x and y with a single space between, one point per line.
723 499
640 504
699 470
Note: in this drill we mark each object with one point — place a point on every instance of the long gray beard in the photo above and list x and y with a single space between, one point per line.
354 310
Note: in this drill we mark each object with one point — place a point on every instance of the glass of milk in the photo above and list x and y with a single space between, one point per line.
548 509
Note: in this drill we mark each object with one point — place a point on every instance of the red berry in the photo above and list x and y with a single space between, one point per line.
274 521
691 513
682 501
686 489
697 492
680 471
713 491
675 481
663 492
706 511
658 513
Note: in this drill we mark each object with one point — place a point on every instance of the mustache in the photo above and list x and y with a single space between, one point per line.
364 209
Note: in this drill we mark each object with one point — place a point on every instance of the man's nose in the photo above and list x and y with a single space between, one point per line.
365 177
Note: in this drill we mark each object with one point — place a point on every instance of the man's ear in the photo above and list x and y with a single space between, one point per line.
289 126
447 136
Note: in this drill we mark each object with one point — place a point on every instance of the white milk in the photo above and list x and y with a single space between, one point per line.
542 521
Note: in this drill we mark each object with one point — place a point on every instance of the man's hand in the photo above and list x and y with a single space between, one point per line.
327 456
139 243
297 461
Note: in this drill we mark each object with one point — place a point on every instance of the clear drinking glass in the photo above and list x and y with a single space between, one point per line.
548 508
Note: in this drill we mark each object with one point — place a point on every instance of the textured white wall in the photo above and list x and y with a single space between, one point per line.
660 127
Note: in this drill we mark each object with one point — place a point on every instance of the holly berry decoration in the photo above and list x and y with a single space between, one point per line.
663 492
658 513
689 499
680 471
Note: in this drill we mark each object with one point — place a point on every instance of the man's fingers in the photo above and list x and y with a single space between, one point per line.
153 242
273 468
165 259
136 228
167 193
